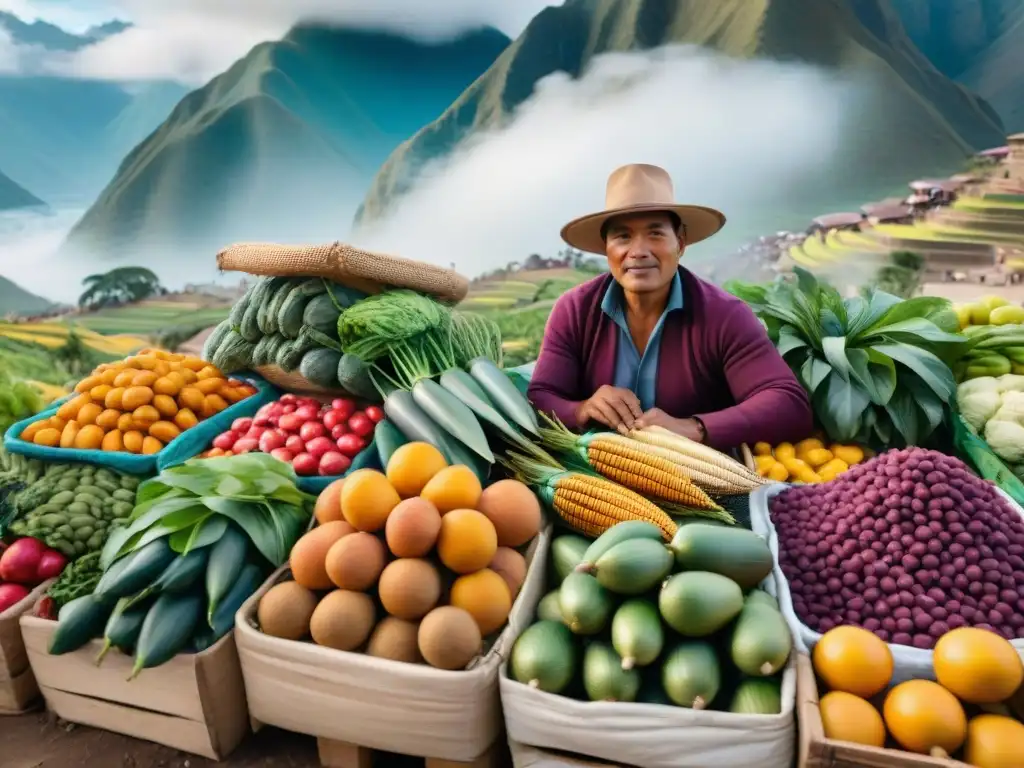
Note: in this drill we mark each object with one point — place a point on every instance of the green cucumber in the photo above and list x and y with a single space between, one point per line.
245 586
137 570
699 603
79 621
740 554
629 529
227 557
633 567
166 630
183 572
388 439
586 605
550 607
566 553
544 657
637 634
761 642
322 314
757 696
605 678
123 627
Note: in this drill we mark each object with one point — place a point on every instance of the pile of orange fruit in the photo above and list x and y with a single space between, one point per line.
139 404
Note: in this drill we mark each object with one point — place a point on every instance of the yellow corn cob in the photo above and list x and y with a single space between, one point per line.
592 505
631 464
710 469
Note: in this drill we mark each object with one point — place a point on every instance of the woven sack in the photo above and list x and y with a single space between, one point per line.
363 270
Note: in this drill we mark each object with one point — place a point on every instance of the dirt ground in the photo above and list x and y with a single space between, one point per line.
39 740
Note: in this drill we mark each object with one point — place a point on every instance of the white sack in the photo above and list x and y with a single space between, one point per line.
648 735
910 663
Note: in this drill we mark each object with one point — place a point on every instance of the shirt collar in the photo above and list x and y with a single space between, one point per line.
613 304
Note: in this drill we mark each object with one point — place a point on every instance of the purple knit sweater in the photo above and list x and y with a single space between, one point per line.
716 363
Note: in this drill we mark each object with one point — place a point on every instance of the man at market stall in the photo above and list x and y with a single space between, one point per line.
651 344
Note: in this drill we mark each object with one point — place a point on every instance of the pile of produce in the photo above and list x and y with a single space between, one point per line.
877 367
977 673
73 507
908 545
418 564
291 323
18 400
996 350
315 438
16 473
24 565
138 404
634 620
809 461
78 579
202 538
988 310
670 470
994 409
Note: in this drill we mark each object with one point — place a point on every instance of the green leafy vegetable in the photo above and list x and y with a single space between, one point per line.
877 367
192 505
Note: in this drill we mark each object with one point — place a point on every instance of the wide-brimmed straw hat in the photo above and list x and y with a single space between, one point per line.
640 188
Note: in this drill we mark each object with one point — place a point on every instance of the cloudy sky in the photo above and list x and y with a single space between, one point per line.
192 40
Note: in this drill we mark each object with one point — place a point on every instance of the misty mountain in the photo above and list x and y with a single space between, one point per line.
979 43
919 121
64 137
13 195
284 144
15 300
52 37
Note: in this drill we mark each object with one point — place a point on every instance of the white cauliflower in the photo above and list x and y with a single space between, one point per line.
1011 408
1011 382
978 404
1007 439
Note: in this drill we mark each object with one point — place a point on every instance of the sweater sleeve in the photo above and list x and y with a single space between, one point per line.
555 384
771 405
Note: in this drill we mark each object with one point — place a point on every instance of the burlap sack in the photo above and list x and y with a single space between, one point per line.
344 264
293 382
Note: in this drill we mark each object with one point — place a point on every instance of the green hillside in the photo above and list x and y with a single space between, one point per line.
918 121
13 195
979 43
15 300
283 144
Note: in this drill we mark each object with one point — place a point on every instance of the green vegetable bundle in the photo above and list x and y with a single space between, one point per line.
16 473
18 400
877 367
996 350
201 540
291 323
78 579
74 507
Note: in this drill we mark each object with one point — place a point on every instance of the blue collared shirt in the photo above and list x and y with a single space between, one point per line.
633 371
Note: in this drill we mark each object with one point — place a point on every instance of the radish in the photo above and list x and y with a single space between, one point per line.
374 413
242 424
333 418
283 454
246 445
290 422
11 595
271 440
350 445
343 406
20 561
312 429
255 433
361 424
51 564
287 399
308 412
295 444
263 421
305 464
339 431
318 446
334 463
225 441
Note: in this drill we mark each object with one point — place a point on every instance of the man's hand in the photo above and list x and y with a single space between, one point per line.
612 406
689 428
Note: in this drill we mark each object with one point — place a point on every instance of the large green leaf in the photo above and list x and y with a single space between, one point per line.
903 413
864 313
912 331
152 512
928 403
789 340
917 307
813 372
198 479
834 349
875 372
932 371
840 406
204 534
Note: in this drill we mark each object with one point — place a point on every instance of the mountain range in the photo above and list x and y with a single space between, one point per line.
13 195
15 300
918 118
284 143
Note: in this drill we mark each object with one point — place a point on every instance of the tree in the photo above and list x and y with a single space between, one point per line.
118 286
902 276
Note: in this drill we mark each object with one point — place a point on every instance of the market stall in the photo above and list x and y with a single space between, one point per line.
345 519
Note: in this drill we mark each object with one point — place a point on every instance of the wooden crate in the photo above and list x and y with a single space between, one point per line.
524 756
816 751
194 702
18 689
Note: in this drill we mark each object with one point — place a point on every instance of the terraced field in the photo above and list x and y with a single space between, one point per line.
152 316
55 335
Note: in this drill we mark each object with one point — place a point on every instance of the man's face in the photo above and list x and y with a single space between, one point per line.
643 251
